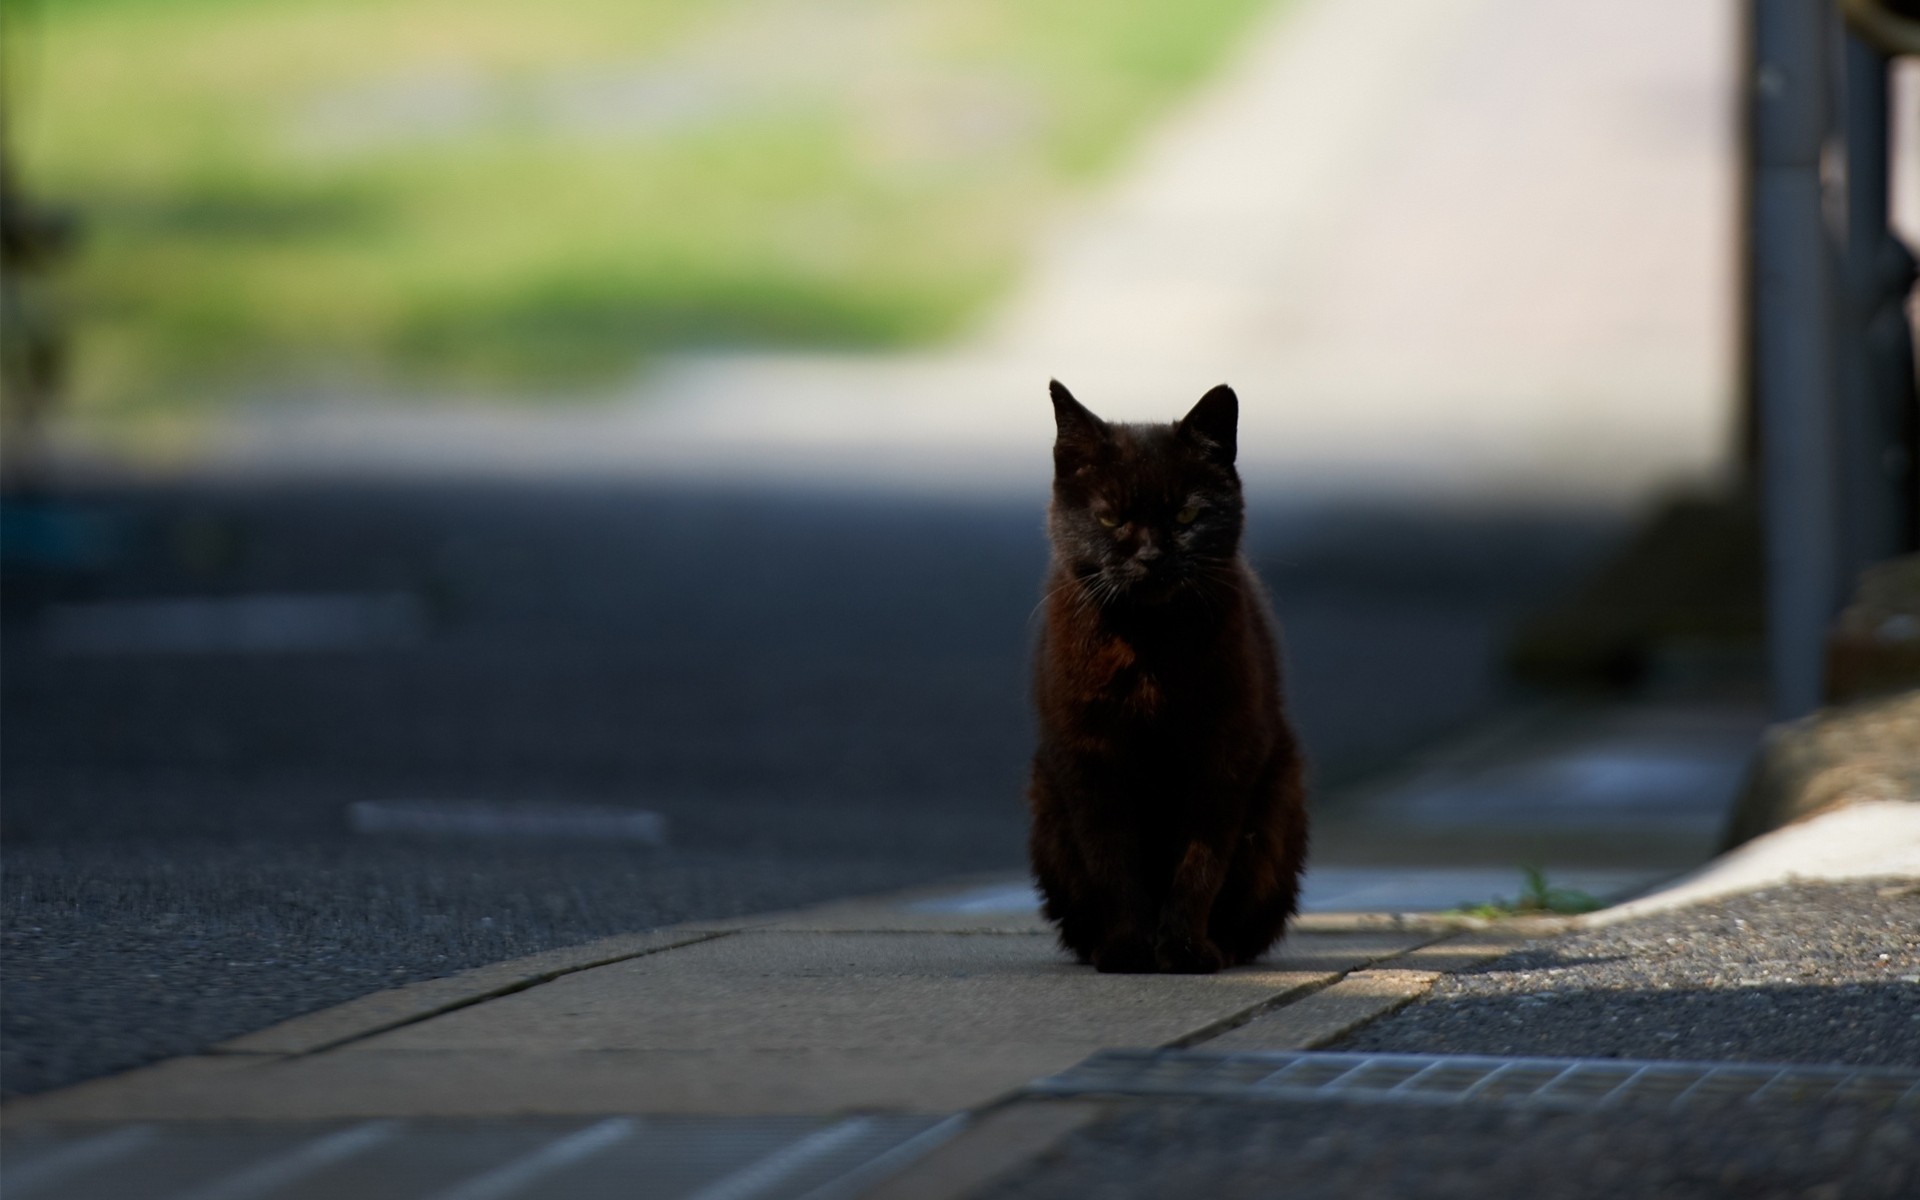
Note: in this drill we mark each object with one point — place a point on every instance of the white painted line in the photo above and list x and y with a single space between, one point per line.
528 1169
262 624
992 898
1436 889
758 1178
881 1166
266 1177
1654 785
479 819
73 1158
1353 889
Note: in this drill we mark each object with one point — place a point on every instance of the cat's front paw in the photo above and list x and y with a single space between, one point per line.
1125 956
1187 956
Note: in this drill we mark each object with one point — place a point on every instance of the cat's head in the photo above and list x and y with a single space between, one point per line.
1146 513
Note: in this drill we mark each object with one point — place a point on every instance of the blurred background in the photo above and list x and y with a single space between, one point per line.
440 433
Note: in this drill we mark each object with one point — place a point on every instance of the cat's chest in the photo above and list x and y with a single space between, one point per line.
1141 683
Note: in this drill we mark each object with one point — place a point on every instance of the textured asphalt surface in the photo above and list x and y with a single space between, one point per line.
824 694
1809 973
1812 973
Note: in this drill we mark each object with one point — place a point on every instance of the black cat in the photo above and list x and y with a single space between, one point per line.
1168 795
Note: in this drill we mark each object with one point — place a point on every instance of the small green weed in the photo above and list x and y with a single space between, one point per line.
1537 897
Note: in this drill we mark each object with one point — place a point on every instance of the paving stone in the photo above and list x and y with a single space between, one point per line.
1326 1015
398 1006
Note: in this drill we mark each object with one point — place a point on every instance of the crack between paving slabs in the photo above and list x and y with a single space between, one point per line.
1292 995
508 989
1393 1006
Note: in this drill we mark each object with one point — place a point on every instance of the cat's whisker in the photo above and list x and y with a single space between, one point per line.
1051 593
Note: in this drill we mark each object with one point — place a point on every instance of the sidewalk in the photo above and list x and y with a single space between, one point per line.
942 1001
932 1042
850 1007
836 1037
898 1047
1647 1058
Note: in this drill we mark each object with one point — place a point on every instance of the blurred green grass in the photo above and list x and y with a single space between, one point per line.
519 198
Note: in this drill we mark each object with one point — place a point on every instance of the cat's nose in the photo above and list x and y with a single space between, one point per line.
1147 551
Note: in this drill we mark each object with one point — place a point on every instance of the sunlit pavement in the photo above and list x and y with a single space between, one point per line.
1438 256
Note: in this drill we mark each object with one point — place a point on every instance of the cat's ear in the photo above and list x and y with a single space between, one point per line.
1079 436
1212 425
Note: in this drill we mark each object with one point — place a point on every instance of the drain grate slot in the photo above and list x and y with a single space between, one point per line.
617 1158
1303 1073
1572 1083
1377 1075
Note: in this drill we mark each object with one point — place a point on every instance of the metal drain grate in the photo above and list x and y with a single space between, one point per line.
628 1158
1470 1079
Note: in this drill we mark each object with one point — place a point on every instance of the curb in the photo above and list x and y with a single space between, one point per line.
1857 753
1865 840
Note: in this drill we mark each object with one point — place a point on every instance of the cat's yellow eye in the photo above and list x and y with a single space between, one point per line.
1109 522
1186 515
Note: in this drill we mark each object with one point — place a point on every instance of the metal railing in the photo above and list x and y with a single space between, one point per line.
1831 371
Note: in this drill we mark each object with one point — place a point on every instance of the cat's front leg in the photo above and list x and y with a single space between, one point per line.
1127 943
1113 910
1126 952
1181 946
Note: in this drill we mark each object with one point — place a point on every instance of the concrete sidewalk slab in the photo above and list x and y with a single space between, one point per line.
416 1002
1328 1013
798 1014
913 1003
1324 1016
865 1005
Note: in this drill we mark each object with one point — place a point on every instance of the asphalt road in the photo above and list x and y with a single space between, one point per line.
824 694
1810 973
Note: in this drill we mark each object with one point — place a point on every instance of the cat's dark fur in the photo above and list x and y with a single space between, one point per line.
1169 808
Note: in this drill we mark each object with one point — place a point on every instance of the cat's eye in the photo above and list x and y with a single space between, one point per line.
1109 522
1186 515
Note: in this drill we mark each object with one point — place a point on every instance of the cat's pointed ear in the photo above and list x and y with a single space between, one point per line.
1079 436
1213 424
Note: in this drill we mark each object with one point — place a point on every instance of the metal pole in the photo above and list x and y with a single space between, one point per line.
1793 352
1876 415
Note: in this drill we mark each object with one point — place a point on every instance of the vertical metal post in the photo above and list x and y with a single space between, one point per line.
1793 352
1876 413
